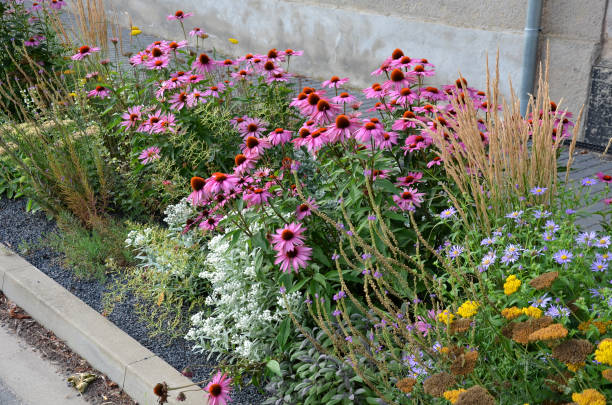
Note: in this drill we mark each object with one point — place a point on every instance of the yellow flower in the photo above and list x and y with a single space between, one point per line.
603 354
453 395
446 317
589 397
512 313
468 309
135 31
511 285
533 312
68 72
233 40
72 94
573 367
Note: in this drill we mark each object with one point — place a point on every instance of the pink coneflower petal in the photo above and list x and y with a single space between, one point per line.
294 259
218 389
288 237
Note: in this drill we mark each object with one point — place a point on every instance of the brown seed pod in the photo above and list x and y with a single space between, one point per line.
460 326
551 332
476 395
522 330
464 364
573 351
544 281
438 383
406 384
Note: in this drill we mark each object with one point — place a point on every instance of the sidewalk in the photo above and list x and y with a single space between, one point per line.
27 379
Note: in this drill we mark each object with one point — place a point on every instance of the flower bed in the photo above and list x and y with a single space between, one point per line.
422 252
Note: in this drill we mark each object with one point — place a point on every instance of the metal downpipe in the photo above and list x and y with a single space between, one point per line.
532 31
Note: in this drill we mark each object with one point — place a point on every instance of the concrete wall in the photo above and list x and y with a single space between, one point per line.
351 37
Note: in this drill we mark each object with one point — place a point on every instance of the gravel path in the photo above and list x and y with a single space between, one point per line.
19 228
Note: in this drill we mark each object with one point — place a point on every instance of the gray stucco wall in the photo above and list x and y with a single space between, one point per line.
350 37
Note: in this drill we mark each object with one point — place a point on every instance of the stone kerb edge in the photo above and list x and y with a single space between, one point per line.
106 347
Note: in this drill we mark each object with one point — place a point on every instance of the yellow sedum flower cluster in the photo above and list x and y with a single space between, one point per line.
446 316
514 312
603 354
589 397
468 309
453 395
511 285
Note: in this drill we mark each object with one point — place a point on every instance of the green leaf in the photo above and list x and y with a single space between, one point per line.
283 332
274 367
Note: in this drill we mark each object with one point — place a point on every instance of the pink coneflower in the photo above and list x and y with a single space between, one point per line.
36 6
342 129
204 63
214 91
291 52
197 194
303 135
369 129
181 76
384 67
270 68
227 63
242 74
279 136
132 116
334 82
420 70
376 174
180 15
310 105
408 199
427 109
210 224
173 46
380 106
410 178
92 75
304 210
324 112
149 155
152 119
256 196
253 147
344 98
194 98
140 58
238 121
435 161
417 142
316 140
243 164
56 4
375 91
294 259
220 182
84 51
166 123
288 237
219 389
278 77
194 78
99 91
299 101
405 122
178 100
402 63
423 62
404 97
196 32
274 55
33 41
432 94
251 127
387 140
606 178
157 63
398 80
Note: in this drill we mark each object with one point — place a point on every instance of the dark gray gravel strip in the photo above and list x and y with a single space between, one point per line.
19 228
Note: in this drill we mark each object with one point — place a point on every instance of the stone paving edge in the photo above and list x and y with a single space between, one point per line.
106 347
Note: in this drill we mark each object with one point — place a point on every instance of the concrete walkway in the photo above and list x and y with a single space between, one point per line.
28 379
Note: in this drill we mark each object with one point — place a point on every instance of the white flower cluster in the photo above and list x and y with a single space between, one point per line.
247 308
178 214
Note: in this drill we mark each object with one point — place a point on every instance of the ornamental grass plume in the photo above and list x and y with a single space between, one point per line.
520 152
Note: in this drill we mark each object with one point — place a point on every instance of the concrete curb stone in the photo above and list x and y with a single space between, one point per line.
106 347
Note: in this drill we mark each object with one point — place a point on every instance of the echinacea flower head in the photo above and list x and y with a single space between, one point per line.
288 237
99 91
56 4
203 63
344 98
219 389
256 196
294 259
220 182
210 223
335 82
408 199
149 155
563 256
606 178
179 15
304 210
254 147
84 51
132 116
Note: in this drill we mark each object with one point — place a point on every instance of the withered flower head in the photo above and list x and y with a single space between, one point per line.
559 382
438 383
161 390
464 364
476 395
607 374
406 384
551 332
573 351
522 330
544 281
460 326
181 397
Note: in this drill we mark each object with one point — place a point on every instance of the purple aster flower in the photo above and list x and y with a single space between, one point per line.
538 190
548 236
541 214
602 242
599 265
509 258
454 251
588 182
551 226
541 302
563 256
514 214
604 256
557 311
366 271
595 293
488 260
497 233
585 238
488 241
447 213
570 211
377 274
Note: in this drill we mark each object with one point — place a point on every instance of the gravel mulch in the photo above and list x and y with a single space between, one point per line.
19 229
